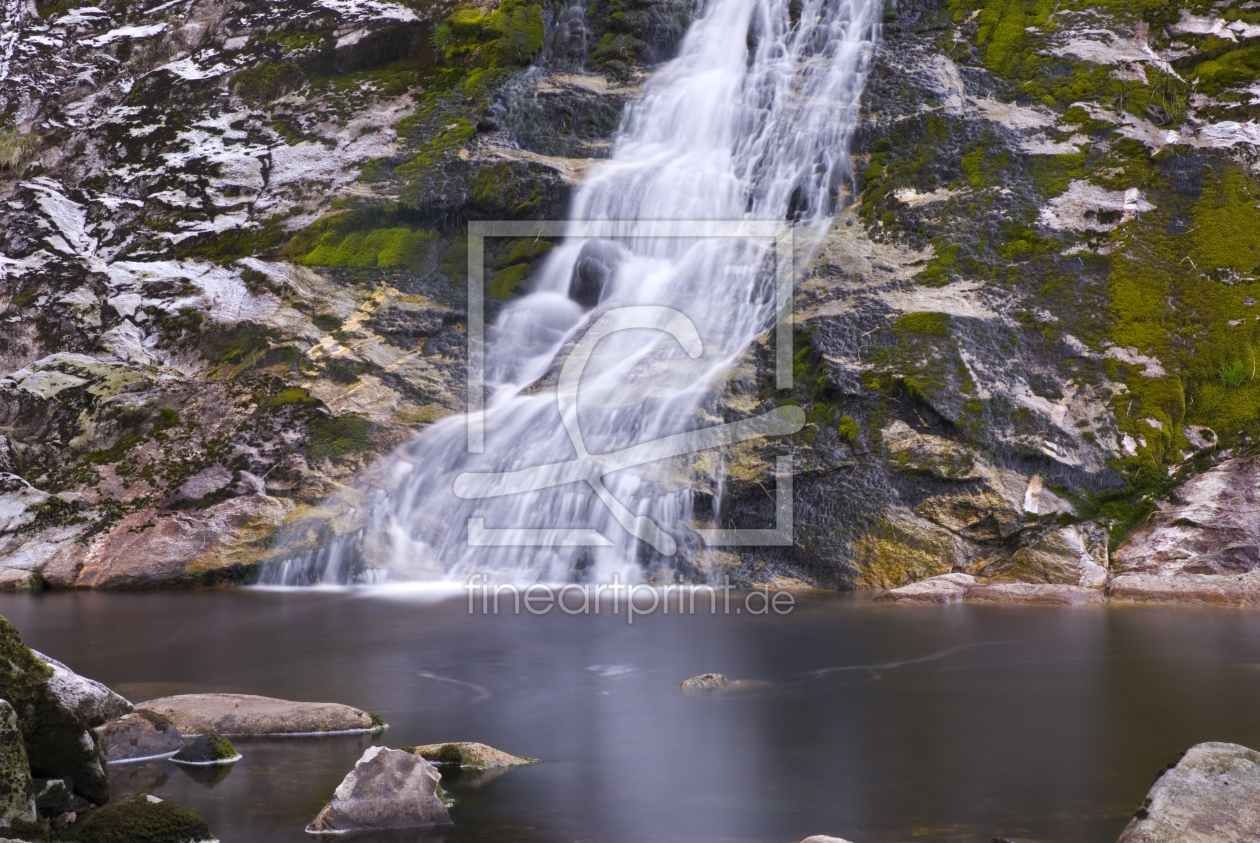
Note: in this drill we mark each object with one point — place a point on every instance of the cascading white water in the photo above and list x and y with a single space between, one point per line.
752 121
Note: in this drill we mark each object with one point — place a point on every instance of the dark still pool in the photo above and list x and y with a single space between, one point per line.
878 723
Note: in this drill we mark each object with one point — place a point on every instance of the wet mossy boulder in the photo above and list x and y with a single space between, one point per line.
17 807
143 818
56 737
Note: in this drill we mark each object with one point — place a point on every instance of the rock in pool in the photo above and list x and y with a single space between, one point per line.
246 714
208 749
1211 795
476 756
94 701
387 788
717 682
140 735
143 818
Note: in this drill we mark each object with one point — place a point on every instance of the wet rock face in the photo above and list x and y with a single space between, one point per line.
1211 526
387 788
1211 794
234 252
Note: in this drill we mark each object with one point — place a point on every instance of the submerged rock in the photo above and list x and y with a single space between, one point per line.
823 838
17 807
716 682
141 734
208 749
705 682
1211 795
143 818
247 714
97 703
387 788
476 756
56 736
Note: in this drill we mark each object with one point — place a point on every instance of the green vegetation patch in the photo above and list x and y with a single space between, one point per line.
923 324
338 436
140 818
372 237
510 36
267 82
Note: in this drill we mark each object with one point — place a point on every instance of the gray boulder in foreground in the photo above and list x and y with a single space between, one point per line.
387 788
97 703
1212 795
246 714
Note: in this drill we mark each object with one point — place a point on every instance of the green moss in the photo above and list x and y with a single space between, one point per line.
293 396
338 436
982 165
140 819
1235 68
386 248
506 280
848 429
1052 174
1233 374
221 749
267 82
940 269
15 148
230 246
922 324
510 36
378 722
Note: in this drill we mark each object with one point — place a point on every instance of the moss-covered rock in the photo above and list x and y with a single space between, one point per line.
57 739
143 818
17 805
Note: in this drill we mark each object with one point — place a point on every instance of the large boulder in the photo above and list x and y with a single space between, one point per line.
90 698
247 714
56 736
387 788
17 805
143 818
141 734
476 756
1211 795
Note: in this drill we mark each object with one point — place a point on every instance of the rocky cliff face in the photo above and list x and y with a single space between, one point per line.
232 268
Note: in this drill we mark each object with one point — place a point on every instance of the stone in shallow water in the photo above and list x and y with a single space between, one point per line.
946 588
822 838
705 682
208 749
143 818
387 788
1046 594
141 734
477 756
1212 795
246 714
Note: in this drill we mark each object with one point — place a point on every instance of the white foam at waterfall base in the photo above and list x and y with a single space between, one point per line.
752 121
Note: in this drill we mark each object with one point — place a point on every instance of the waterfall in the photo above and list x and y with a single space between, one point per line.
751 121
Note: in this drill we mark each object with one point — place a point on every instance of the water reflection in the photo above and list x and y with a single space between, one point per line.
884 724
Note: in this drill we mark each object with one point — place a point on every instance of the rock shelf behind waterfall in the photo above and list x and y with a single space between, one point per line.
245 714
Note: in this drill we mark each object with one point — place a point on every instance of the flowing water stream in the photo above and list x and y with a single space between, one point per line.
750 123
